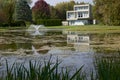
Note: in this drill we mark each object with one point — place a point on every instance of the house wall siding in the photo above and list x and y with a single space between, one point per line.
81 15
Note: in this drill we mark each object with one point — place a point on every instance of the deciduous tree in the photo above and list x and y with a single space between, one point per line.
63 7
41 10
107 11
53 13
7 10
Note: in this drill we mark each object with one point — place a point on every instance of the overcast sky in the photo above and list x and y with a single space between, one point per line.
54 2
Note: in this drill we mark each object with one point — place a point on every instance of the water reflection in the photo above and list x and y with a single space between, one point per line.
36 30
59 45
80 42
34 51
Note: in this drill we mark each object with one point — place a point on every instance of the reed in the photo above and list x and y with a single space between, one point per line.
39 71
108 69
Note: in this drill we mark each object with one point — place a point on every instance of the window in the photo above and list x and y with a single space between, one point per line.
75 8
80 38
68 15
80 14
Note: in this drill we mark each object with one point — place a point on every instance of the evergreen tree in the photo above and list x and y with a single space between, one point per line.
41 10
23 11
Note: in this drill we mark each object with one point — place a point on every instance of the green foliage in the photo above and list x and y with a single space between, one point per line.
42 10
4 25
108 69
18 23
13 24
53 13
107 11
2 17
6 11
63 7
22 11
29 1
36 71
50 22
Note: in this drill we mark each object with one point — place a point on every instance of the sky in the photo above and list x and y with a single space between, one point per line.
54 2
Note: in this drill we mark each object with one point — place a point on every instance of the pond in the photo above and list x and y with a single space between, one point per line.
73 49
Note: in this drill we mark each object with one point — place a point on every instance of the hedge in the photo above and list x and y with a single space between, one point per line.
49 22
13 24
4 25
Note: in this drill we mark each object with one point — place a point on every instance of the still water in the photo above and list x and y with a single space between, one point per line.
73 49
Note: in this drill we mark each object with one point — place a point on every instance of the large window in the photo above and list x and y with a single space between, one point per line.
71 15
83 15
80 14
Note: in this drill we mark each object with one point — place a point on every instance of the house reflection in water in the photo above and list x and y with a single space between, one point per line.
81 43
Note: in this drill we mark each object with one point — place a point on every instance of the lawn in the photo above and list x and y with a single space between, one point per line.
86 28
90 28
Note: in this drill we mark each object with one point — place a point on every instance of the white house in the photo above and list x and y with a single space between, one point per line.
81 43
81 15
78 39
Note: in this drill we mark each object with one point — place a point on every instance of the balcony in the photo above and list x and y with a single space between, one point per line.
77 15
83 8
71 15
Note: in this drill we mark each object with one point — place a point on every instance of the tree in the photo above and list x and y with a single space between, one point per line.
29 1
107 11
3 17
10 11
53 13
41 10
7 10
63 7
23 11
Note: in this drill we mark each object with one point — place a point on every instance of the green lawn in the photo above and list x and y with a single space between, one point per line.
86 28
90 28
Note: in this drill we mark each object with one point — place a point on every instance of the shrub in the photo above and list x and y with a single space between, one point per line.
49 22
4 25
13 24
18 23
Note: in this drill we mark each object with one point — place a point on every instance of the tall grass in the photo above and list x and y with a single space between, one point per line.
39 71
108 69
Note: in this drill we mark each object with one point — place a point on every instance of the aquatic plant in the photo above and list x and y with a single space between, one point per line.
108 69
39 71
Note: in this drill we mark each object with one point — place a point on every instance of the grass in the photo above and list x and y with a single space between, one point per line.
36 71
108 68
92 28
85 28
12 28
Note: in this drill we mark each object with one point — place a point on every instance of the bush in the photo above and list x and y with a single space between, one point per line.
18 23
4 25
13 24
49 22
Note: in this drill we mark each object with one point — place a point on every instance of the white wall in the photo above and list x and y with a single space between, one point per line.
78 22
